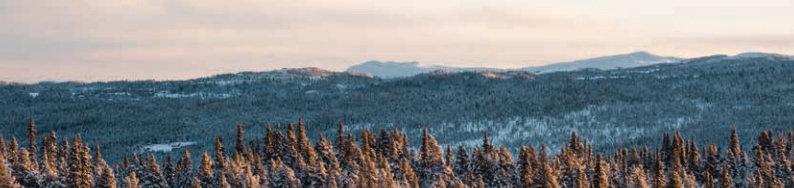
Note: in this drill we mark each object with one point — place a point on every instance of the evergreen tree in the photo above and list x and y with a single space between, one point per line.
32 136
676 179
240 147
638 177
461 166
153 176
712 160
80 172
549 177
708 180
431 164
601 179
207 175
195 183
184 170
409 176
305 147
105 178
49 164
726 179
659 179
220 158
25 169
132 180
6 180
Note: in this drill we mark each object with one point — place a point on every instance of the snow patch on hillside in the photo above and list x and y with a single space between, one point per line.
164 94
165 147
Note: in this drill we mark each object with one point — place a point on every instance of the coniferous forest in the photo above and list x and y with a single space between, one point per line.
287 158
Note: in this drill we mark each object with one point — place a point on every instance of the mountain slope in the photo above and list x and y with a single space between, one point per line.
699 97
407 69
629 60
389 69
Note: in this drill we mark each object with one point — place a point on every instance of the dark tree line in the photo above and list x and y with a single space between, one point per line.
287 158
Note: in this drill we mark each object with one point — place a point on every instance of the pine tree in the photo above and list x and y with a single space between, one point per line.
32 135
240 147
153 177
132 180
305 147
6 180
80 172
575 145
580 181
169 171
184 170
25 169
461 167
601 179
638 177
549 177
409 176
708 180
207 174
106 178
726 179
431 164
220 158
676 179
49 164
712 160
659 179
195 183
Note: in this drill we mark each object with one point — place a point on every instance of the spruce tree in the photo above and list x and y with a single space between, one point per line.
153 176
169 171
638 177
6 180
207 175
132 180
25 169
726 179
184 170
659 179
49 164
32 136
80 172
461 167
220 156
708 180
581 180
676 176
409 176
195 183
601 179
305 147
106 177
431 164
240 146
549 177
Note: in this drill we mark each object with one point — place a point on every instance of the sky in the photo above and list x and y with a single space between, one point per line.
100 40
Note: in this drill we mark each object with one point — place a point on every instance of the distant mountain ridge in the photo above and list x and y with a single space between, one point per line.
630 60
391 69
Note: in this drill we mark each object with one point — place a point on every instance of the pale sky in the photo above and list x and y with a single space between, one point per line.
88 40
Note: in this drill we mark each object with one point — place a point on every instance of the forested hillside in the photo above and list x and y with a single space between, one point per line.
702 98
287 158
